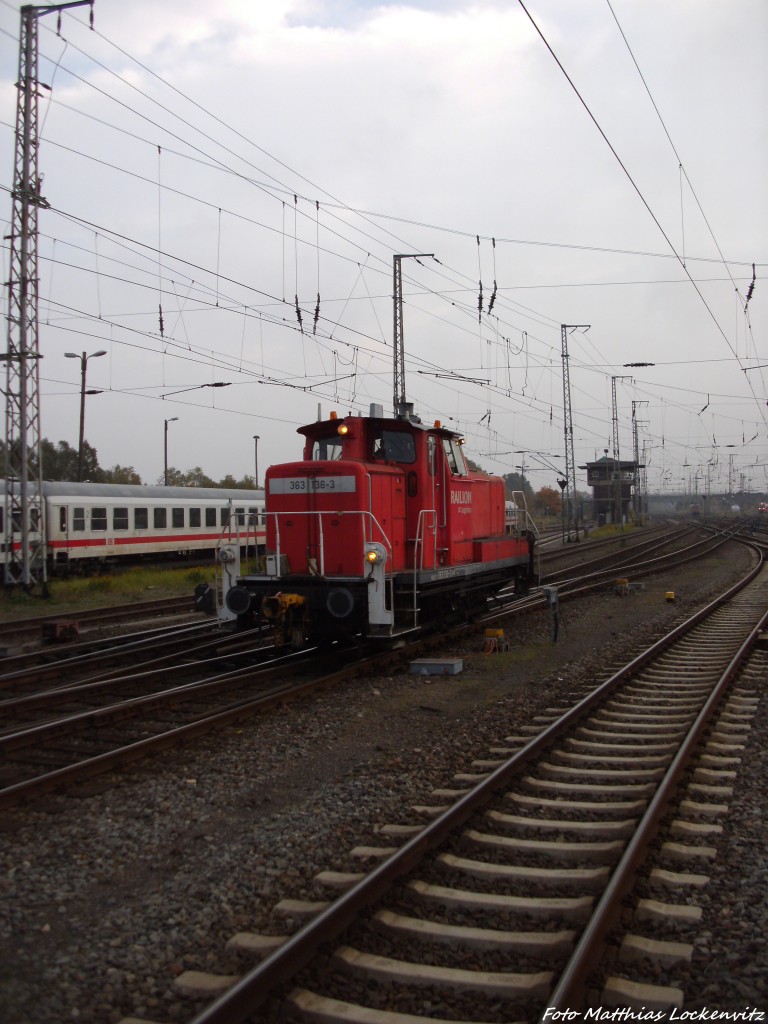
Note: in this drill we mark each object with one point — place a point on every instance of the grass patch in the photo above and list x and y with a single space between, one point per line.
604 532
139 583
502 661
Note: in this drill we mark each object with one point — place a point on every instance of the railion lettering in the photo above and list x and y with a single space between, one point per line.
461 497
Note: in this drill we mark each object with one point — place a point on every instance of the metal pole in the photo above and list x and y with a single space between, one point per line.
398 341
84 357
569 488
173 419
24 506
256 460
83 365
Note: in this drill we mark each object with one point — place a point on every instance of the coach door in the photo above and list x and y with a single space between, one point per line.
59 530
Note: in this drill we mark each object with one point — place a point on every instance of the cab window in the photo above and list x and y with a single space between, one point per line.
455 456
394 446
327 448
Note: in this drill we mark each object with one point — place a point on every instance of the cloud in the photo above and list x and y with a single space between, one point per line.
444 121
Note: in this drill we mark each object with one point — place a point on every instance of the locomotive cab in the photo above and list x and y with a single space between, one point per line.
381 528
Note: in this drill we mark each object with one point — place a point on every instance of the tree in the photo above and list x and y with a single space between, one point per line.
121 475
197 478
60 461
517 482
548 500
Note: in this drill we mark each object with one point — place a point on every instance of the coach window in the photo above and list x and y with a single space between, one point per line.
160 518
210 517
225 516
240 516
140 519
78 519
177 518
194 517
120 519
99 519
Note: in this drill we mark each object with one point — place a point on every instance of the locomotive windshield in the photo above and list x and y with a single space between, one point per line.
327 448
394 445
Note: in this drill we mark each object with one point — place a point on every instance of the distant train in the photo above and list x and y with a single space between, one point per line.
90 524
381 529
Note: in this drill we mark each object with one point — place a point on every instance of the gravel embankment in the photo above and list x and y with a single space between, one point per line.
111 892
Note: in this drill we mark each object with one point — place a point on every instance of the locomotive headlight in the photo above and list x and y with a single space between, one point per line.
375 555
343 429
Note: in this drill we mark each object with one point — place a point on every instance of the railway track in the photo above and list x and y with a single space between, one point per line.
15 629
497 908
175 686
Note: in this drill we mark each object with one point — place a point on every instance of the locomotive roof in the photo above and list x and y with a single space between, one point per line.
381 421
62 488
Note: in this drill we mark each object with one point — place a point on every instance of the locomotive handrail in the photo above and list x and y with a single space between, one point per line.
239 541
367 517
418 553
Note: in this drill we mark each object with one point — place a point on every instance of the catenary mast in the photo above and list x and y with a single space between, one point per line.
569 493
24 510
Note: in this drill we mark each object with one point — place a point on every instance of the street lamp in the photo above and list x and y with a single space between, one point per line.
173 419
256 460
83 364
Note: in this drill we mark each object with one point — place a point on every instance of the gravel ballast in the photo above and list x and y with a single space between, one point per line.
111 891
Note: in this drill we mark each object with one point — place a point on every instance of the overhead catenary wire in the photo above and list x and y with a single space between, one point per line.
441 293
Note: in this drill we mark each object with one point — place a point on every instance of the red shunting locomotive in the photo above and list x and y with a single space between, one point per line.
380 530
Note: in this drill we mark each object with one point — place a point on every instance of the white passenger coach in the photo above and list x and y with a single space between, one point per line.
87 523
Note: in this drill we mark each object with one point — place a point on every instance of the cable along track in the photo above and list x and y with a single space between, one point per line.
499 907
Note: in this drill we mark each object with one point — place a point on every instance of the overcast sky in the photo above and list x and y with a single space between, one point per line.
226 162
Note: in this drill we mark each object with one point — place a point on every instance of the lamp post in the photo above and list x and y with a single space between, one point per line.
83 365
256 460
173 419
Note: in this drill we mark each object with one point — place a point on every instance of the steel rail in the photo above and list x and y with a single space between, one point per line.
569 992
251 991
227 715
130 708
95 615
